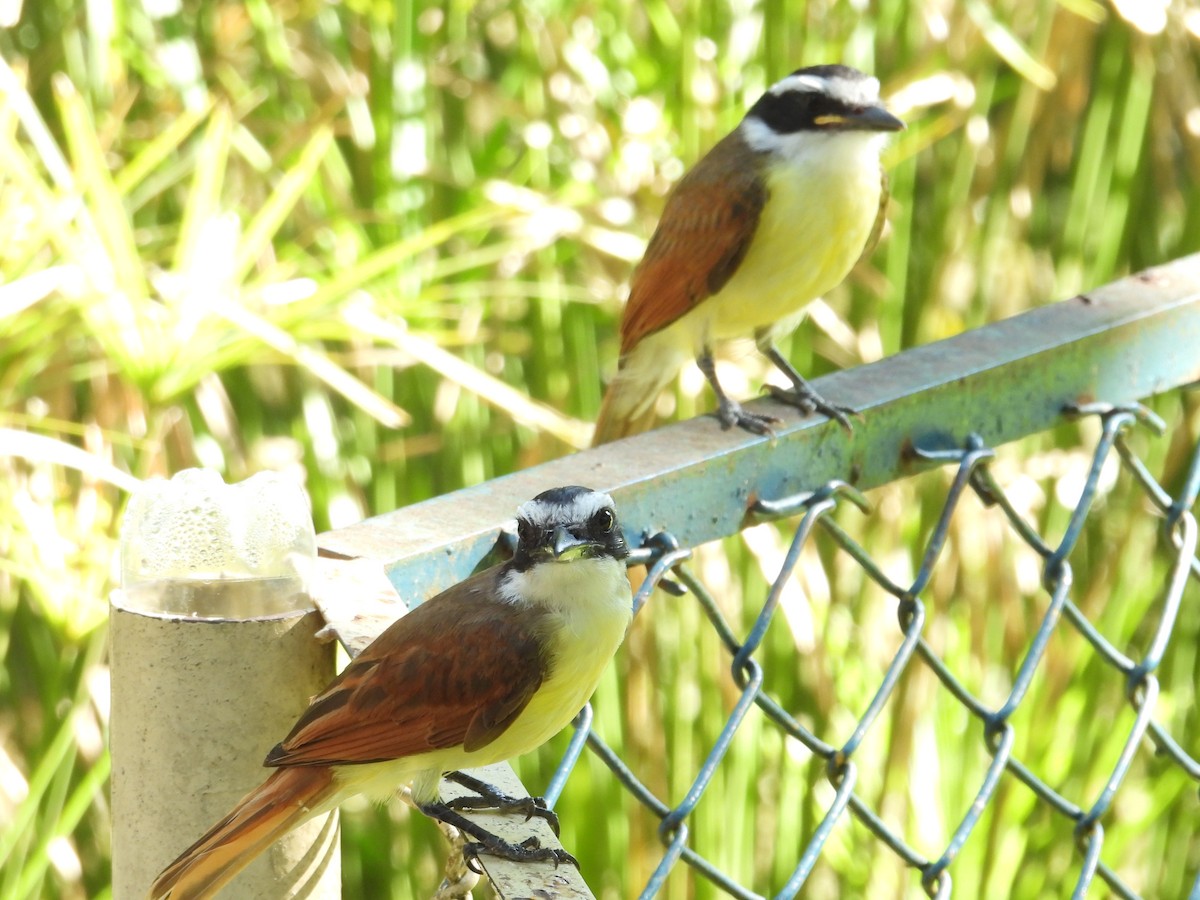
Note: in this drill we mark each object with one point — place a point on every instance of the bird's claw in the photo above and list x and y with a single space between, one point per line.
490 798
536 806
809 402
731 413
529 850
542 811
471 853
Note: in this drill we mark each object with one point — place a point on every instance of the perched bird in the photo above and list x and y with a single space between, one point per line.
775 215
487 670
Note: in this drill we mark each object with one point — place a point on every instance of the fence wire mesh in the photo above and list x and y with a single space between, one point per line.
1067 664
668 567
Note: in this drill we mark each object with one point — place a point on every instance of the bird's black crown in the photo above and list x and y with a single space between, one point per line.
824 98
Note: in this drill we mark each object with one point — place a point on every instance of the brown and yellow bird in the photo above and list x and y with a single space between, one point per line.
487 670
775 215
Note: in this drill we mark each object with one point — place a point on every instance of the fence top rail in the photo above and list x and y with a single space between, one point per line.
1116 344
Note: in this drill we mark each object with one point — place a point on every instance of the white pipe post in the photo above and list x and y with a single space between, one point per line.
214 656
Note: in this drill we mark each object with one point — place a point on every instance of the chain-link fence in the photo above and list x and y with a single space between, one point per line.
666 559
1092 358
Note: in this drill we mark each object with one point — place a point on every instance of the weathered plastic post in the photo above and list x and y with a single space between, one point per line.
214 656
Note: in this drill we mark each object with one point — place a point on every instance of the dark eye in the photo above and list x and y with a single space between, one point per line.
604 521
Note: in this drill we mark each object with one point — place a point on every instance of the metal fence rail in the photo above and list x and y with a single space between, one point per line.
947 404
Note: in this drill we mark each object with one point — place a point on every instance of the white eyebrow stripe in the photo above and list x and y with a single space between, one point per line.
852 91
813 84
542 514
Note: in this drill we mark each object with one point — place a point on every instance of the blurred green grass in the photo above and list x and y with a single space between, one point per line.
242 234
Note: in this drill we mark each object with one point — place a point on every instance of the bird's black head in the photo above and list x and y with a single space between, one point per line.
567 523
824 99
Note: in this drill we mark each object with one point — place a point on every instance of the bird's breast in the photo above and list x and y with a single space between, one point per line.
587 608
818 216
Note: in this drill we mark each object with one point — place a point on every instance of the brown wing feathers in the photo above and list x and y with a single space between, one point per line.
705 231
703 235
421 686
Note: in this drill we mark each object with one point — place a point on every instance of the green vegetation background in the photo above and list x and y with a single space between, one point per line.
383 246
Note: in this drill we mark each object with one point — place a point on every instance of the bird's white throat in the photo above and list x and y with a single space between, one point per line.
581 590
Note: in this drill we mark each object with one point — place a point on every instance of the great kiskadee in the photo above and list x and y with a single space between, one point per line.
775 215
487 670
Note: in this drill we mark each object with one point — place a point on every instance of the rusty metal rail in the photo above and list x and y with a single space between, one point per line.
948 403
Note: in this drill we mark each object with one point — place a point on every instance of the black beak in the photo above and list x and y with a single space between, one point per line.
567 546
873 118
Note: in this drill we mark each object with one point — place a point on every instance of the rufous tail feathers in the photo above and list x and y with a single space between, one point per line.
288 797
616 418
632 396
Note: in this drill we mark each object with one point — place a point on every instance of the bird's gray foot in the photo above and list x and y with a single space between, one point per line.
490 798
808 401
731 413
529 850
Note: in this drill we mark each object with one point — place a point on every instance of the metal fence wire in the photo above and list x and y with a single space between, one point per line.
683 486
668 567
